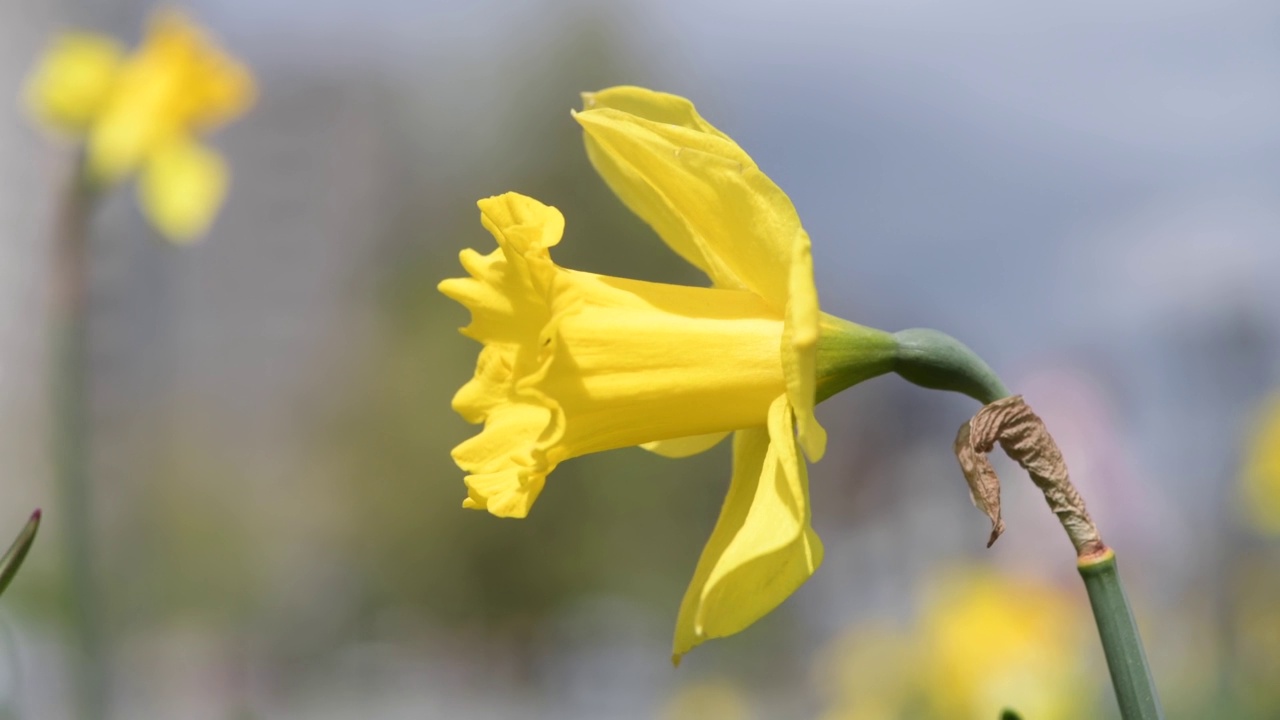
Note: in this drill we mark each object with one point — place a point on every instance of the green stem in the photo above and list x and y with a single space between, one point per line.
1130 673
71 438
12 559
935 360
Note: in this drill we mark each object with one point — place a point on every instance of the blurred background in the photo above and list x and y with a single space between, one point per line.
1087 194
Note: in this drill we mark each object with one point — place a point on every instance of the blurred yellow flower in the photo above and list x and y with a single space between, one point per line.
870 673
708 700
984 642
996 642
1260 481
141 113
576 363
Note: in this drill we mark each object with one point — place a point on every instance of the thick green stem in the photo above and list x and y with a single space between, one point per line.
71 439
935 360
1130 673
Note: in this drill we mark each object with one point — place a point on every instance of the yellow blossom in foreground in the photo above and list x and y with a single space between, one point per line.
1260 481
576 363
140 114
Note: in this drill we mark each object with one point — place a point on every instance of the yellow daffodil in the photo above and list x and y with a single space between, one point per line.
140 113
991 642
576 363
715 699
1260 481
869 673
984 642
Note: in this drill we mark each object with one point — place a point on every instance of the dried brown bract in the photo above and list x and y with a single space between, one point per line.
1024 438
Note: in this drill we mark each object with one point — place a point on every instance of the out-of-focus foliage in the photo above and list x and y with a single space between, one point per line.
1257 638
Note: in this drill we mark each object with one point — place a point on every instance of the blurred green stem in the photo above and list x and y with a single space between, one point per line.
71 437
938 361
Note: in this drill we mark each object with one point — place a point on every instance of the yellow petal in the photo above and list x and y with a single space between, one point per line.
685 446
638 196
701 192
120 142
801 329
181 188
215 87
710 202
176 84
762 548
657 106
73 80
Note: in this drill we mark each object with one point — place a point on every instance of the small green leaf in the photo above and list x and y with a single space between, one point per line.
12 560
1009 714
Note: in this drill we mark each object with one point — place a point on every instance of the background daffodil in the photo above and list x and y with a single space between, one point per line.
141 113
979 641
991 641
1260 479
575 363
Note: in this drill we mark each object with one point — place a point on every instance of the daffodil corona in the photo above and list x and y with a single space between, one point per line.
575 363
140 113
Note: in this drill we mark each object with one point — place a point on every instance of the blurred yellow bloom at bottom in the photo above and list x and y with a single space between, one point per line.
711 700
983 642
996 642
868 671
